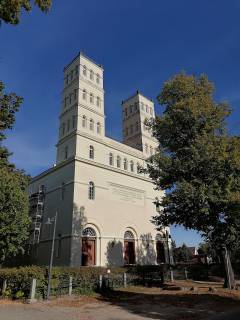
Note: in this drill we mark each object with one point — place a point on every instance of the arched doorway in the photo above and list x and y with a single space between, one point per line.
160 249
88 247
129 248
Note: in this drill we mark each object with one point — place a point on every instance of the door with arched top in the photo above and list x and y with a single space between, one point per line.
160 249
129 248
88 247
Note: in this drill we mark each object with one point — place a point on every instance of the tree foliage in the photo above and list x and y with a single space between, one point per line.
10 104
10 10
14 218
182 254
197 162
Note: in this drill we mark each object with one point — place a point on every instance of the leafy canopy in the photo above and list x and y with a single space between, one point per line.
14 218
197 162
10 10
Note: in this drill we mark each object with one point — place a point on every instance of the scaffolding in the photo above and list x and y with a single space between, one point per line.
36 207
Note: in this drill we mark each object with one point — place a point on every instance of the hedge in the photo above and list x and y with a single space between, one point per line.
85 278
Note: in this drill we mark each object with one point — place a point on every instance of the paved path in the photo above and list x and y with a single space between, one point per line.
97 311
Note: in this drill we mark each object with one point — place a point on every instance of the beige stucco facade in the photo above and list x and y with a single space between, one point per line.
96 183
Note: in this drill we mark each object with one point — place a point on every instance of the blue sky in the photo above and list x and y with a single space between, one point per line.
140 43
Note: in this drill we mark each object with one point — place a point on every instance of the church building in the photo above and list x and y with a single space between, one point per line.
101 202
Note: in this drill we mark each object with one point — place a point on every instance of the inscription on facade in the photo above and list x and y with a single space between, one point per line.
126 194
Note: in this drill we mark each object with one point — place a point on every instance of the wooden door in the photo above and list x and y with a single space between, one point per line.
160 252
88 252
129 252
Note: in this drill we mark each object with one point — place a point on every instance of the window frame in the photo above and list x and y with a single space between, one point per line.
91 125
91 152
91 190
111 159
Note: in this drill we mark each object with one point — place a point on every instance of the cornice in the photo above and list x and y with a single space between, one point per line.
92 163
112 168
81 78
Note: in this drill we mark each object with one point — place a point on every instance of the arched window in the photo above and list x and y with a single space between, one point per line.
146 108
99 128
76 70
135 106
159 237
66 152
89 233
146 148
132 166
84 70
74 121
128 235
151 111
97 78
151 150
118 161
75 94
91 125
111 159
91 98
84 121
131 109
136 126
91 191
138 168
125 164
98 101
91 152
84 94
63 128
126 112
91 74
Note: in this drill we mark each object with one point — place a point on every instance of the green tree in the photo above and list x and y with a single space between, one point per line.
10 10
182 254
14 217
197 162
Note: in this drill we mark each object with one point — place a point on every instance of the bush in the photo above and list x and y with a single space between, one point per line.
85 279
19 280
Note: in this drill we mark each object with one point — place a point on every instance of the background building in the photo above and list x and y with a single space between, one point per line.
104 202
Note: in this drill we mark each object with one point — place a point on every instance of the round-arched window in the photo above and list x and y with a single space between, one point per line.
91 191
159 237
128 235
89 232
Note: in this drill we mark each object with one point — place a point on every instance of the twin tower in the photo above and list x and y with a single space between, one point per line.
82 111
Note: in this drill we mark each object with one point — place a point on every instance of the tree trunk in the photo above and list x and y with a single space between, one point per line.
229 274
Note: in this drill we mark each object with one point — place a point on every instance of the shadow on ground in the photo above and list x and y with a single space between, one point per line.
170 306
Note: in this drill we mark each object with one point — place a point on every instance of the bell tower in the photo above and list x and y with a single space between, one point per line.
135 110
82 107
